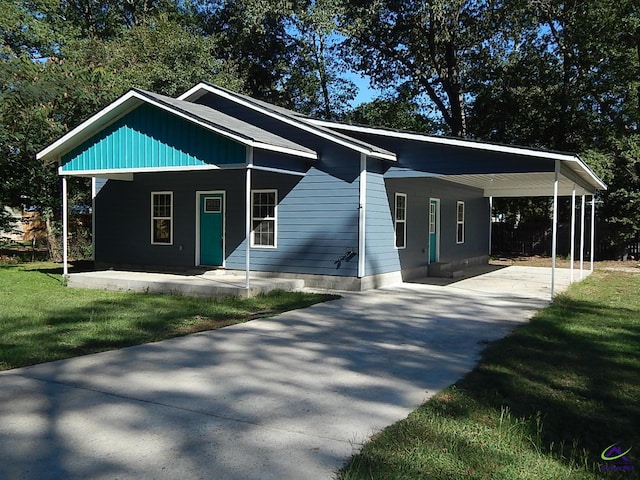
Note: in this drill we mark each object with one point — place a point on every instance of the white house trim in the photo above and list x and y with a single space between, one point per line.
492 147
307 124
111 113
362 216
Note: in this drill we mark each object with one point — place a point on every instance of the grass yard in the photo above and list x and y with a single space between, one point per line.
41 320
544 403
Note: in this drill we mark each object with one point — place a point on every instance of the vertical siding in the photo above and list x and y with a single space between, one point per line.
149 137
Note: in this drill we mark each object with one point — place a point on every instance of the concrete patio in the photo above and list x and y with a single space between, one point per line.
205 285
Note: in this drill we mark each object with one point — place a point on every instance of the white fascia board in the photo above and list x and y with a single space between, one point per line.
296 123
238 138
289 151
583 166
244 140
565 157
446 141
118 171
112 108
523 192
199 89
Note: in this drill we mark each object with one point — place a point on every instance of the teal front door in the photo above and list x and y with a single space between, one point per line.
211 233
433 230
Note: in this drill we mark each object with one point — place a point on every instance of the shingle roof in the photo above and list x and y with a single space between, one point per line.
227 123
298 119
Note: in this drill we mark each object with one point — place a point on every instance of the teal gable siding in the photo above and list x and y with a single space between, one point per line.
149 137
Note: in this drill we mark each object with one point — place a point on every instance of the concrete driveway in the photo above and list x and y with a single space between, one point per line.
288 397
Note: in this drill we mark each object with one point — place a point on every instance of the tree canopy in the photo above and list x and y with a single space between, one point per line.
555 74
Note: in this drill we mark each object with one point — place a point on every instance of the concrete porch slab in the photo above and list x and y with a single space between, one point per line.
205 286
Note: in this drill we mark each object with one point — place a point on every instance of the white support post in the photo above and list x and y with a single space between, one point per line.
582 238
65 228
554 240
94 192
490 222
593 228
247 282
573 227
362 216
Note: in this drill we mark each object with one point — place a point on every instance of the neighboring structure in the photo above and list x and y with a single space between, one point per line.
217 179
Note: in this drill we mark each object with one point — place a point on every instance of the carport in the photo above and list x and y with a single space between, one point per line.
500 171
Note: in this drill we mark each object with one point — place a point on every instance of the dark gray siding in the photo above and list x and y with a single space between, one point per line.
450 160
419 191
317 218
123 222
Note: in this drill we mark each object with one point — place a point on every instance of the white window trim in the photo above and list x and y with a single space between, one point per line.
275 219
459 222
396 221
170 218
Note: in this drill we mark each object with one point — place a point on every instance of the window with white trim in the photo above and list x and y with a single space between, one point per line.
401 220
161 218
460 222
264 211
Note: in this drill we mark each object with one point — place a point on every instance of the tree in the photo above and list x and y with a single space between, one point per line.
54 74
573 85
294 64
315 84
619 212
421 47
392 112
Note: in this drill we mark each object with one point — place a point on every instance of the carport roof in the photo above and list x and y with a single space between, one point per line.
573 173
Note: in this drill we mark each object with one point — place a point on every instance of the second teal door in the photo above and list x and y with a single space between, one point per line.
433 230
211 229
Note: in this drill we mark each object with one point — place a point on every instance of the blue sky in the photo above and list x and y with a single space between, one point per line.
365 92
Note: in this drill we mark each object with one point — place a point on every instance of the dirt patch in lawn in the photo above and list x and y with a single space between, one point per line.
631 266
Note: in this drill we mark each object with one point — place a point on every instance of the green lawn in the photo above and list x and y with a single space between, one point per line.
41 320
543 403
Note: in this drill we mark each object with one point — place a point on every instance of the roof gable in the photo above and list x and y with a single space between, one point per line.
288 117
233 129
147 139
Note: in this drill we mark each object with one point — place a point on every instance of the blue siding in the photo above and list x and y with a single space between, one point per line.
317 220
381 255
416 253
149 137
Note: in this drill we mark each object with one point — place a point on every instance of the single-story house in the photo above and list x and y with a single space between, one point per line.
220 180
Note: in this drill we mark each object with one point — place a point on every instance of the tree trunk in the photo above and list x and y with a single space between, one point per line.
53 242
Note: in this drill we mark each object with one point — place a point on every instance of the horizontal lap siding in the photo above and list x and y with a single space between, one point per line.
381 256
419 191
123 216
317 221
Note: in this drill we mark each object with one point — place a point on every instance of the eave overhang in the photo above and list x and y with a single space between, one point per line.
133 99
